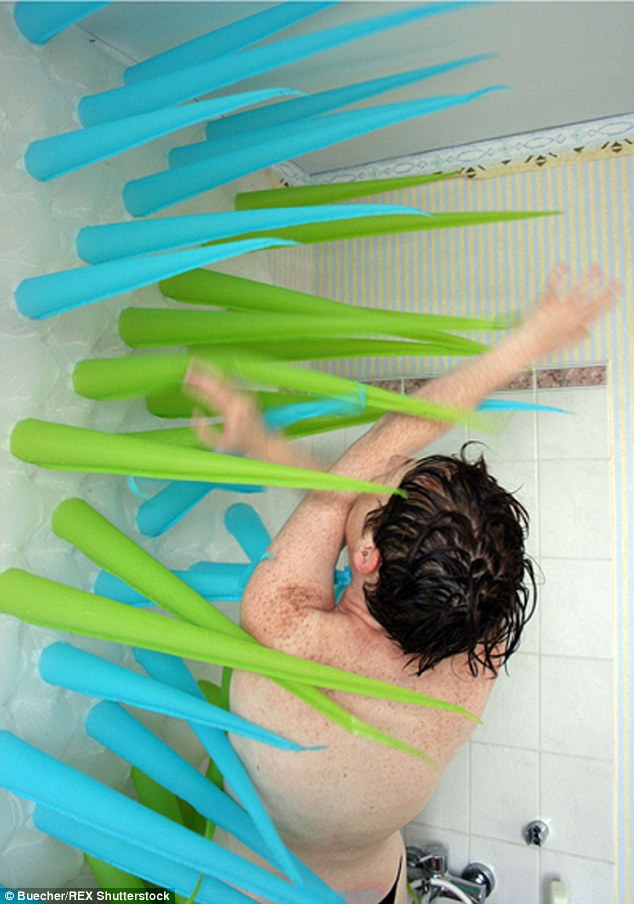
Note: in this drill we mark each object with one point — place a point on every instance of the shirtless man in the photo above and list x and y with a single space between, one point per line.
439 593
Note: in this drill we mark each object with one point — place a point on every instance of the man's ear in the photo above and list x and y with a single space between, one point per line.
366 558
398 461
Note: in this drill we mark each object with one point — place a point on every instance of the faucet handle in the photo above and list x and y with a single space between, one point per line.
432 861
481 876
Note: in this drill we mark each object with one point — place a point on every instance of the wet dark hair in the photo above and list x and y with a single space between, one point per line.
454 577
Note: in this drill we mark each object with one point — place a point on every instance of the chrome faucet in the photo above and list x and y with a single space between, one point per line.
429 877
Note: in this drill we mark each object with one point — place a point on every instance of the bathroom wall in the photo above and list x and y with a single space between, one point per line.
535 722
547 746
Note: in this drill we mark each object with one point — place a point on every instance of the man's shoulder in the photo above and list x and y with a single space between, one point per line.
311 627
280 618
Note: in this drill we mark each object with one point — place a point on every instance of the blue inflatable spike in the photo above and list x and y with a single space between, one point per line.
218 581
223 41
244 523
116 729
141 486
185 84
343 577
222 135
285 415
151 193
111 241
51 157
172 671
166 508
55 293
133 857
41 21
504 405
36 776
113 588
67 666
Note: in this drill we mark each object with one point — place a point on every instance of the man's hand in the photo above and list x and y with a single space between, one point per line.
566 310
561 318
243 431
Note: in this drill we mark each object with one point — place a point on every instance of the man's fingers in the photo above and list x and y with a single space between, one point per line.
594 282
209 436
202 380
558 278
606 297
593 290
204 385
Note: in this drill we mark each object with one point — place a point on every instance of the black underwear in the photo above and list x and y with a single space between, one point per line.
390 897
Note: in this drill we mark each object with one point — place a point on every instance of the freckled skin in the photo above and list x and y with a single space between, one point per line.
341 809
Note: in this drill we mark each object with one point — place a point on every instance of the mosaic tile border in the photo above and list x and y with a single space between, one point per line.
563 145
290 175
540 378
571 377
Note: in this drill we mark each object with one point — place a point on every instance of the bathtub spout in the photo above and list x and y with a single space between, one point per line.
430 878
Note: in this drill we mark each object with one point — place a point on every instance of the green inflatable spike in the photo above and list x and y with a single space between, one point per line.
155 796
119 378
105 545
208 287
391 224
183 436
81 525
41 601
156 327
306 195
125 378
170 405
176 404
64 448
336 349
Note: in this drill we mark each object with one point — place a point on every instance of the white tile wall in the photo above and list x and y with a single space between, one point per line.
516 869
505 722
545 749
585 434
576 608
576 706
504 786
589 881
576 796
568 490
446 809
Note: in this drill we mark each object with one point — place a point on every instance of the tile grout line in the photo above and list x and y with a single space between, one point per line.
540 732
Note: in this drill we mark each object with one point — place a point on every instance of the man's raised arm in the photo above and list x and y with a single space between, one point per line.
561 318
306 549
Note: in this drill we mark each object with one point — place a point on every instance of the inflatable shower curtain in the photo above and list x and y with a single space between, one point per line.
164 837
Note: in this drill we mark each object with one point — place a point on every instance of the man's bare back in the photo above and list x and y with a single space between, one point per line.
341 808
